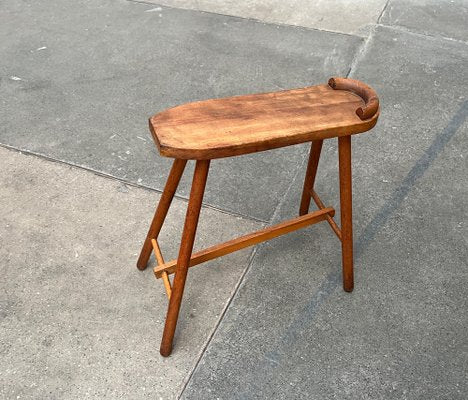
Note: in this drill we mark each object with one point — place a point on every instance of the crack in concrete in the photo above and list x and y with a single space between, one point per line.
361 52
383 11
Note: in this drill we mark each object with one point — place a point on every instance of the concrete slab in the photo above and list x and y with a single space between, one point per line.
432 17
78 320
291 332
347 16
80 79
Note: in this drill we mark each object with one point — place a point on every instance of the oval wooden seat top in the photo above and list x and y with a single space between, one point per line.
245 124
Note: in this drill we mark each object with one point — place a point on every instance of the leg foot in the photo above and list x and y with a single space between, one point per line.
346 206
185 252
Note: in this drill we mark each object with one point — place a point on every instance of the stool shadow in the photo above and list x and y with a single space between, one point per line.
333 280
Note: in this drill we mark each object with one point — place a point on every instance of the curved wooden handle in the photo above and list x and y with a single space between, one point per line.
362 90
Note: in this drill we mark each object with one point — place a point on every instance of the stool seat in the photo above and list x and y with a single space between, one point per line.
217 128
238 125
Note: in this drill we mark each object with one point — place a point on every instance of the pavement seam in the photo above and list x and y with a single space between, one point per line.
129 183
241 279
357 35
221 317
404 29
309 28
361 51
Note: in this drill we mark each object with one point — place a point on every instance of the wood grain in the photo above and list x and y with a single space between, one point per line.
170 188
245 124
346 209
311 172
364 91
186 245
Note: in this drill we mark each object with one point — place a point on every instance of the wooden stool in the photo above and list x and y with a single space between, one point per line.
218 128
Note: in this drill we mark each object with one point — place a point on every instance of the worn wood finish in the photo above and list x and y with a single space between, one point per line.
244 124
185 252
311 172
250 239
364 91
346 208
161 211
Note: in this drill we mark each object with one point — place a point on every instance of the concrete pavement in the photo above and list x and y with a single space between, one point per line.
78 319
78 81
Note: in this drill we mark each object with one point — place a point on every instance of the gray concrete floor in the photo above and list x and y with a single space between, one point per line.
77 83
78 319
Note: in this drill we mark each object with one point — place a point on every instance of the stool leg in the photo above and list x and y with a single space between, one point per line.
185 253
346 206
160 215
309 180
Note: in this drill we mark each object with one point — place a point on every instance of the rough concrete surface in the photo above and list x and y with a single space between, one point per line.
78 320
87 96
347 16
